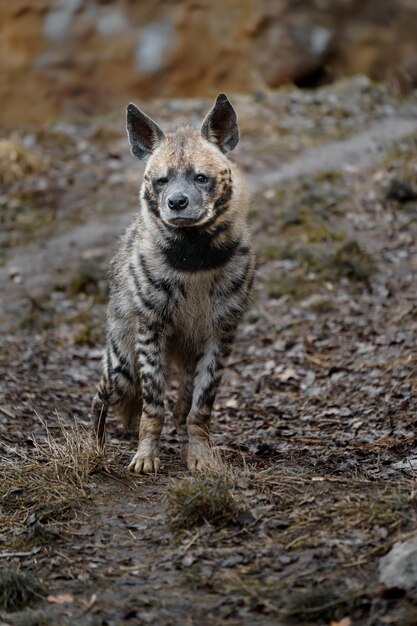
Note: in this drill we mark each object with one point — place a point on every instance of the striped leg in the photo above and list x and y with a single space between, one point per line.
152 368
182 408
208 376
117 388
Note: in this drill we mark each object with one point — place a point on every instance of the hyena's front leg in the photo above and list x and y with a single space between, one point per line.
152 371
182 408
208 375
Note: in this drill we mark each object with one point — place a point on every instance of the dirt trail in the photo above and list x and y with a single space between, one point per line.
358 151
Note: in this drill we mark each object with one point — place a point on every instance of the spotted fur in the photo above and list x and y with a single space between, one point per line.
179 285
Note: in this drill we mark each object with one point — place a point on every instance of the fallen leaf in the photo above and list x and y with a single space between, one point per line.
61 598
288 373
343 622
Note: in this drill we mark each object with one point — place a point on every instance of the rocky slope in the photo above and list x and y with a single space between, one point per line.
67 57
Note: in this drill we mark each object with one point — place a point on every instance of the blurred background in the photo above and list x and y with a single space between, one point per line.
77 57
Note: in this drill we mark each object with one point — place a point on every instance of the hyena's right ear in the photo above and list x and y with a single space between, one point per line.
144 134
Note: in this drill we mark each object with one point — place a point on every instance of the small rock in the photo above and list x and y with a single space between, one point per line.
401 190
398 568
188 560
285 559
233 560
410 463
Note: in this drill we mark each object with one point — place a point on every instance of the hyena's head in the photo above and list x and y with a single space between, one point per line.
187 177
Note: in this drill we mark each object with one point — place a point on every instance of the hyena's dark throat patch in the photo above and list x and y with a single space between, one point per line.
195 251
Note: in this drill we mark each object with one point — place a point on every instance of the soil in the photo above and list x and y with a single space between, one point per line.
316 416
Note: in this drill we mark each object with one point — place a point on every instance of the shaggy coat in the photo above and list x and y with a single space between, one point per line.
179 284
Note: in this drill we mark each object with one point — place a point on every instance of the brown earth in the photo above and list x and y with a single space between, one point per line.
316 417
66 58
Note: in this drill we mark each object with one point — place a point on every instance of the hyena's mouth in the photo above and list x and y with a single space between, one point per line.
185 221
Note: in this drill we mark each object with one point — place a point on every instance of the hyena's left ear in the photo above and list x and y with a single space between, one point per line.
220 125
144 134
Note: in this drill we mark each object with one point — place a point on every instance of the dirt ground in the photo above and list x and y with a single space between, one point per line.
316 417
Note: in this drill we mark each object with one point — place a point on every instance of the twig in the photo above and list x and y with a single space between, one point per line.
8 555
89 605
8 413
188 545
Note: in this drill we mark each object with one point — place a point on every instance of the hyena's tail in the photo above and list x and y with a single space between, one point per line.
99 410
128 410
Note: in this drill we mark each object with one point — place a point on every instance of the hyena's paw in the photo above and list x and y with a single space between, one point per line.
199 455
145 463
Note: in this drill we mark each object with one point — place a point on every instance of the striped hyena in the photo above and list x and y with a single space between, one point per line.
179 283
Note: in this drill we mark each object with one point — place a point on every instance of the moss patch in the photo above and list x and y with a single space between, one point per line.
315 266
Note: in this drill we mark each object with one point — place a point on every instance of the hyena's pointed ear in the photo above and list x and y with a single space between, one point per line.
144 134
220 125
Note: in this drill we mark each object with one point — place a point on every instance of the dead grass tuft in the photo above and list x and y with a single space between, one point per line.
317 603
207 497
17 161
17 590
41 488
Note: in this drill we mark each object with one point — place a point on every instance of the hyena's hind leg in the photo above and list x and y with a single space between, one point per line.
120 388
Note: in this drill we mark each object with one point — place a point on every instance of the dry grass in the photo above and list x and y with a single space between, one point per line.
42 487
322 508
17 590
90 279
17 161
316 265
319 603
201 499
39 617
209 496
299 509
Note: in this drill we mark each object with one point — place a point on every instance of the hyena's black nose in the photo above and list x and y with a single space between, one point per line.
178 201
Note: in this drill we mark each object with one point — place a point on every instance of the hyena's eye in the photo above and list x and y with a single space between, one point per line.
163 180
201 178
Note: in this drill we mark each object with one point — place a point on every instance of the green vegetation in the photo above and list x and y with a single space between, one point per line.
316 266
